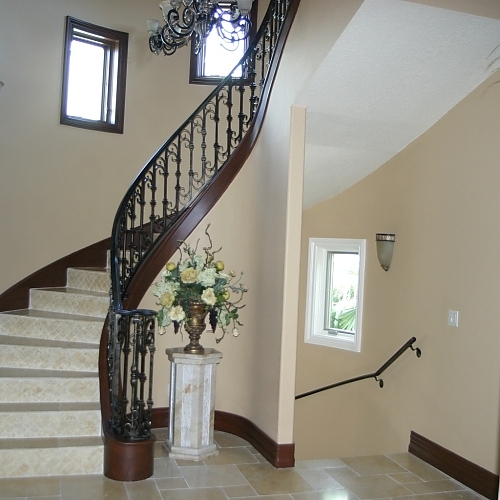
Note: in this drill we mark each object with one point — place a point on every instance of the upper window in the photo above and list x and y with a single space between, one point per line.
94 76
335 292
218 56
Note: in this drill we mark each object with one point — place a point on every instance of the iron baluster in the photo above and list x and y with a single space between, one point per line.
229 119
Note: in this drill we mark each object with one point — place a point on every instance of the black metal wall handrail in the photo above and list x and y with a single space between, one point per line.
184 168
375 375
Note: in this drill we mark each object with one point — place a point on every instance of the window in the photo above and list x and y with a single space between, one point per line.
335 292
94 75
217 56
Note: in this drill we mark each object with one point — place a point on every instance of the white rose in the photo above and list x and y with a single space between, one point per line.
208 296
189 275
177 314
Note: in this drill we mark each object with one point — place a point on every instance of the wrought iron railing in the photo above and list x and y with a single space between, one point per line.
175 176
375 375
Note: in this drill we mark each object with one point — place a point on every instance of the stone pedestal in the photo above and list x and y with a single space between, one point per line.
192 404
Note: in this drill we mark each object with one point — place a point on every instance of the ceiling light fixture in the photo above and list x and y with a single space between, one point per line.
196 18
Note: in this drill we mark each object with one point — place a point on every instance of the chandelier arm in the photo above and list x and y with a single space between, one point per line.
196 19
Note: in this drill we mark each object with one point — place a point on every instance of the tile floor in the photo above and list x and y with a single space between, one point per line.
239 471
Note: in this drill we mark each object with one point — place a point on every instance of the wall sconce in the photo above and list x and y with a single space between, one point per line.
385 247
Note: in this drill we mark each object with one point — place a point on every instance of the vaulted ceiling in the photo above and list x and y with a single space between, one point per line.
398 67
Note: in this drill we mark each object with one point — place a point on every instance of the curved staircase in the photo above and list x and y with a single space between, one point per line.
71 357
50 419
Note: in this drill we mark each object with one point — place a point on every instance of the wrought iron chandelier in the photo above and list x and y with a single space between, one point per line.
197 18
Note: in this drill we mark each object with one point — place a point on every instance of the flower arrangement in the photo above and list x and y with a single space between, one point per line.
199 278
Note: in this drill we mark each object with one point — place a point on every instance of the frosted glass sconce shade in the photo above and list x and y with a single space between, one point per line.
385 247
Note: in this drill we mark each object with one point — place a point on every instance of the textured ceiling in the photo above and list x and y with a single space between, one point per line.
396 70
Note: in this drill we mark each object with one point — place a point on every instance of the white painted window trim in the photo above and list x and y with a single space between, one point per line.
315 332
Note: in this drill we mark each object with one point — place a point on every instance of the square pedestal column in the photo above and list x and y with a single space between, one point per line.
192 404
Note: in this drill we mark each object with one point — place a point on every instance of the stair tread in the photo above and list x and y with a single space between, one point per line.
41 373
39 342
92 269
37 407
52 315
75 291
62 442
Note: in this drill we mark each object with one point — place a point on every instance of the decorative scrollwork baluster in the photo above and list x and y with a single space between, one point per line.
183 167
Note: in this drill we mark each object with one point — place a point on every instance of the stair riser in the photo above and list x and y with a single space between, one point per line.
51 461
84 305
88 280
49 358
49 390
47 424
50 329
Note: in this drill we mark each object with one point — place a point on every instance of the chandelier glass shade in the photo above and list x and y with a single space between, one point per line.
186 19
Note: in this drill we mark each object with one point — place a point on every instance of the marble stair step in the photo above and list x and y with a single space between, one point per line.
88 278
49 424
48 325
51 457
70 300
49 358
47 389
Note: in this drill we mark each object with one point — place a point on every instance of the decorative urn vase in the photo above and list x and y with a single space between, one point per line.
195 325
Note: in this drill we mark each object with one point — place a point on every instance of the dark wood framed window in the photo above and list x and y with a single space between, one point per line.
217 57
94 77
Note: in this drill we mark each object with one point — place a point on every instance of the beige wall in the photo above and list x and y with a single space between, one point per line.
60 185
440 197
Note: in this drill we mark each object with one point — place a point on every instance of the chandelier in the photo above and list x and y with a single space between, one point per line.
197 18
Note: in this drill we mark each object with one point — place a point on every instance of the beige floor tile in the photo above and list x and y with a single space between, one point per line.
434 486
319 479
237 455
319 464
171 483
340 472
239 491
325 495
196 494
160 451
266 480
225 440
29 486
405 477
166 467
371 465
450 495
417 466
368 487
139 490
92 488
269 497
189 463
211 476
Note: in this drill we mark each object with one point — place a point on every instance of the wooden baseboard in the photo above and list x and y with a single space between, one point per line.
475 477
279 455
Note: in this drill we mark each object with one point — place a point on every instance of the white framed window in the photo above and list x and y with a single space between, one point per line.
335 281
